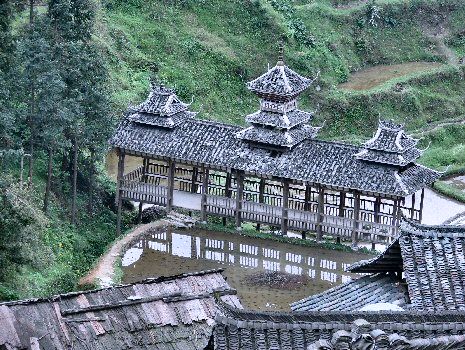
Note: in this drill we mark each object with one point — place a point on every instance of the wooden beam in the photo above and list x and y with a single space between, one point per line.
422 198
239 195
119 197
356 219
170 192
285 208
203 201
320 213
342 203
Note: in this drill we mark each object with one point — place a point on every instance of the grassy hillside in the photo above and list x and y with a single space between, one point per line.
208 50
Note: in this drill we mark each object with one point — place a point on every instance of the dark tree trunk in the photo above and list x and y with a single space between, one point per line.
31 150
31 107
49 180
91 182
74 184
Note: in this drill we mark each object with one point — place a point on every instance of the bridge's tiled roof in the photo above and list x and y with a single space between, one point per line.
279 120
283 138
354 295
313 161
164 313
433 263
279 81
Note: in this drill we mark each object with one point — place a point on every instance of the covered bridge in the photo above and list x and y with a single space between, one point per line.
273 172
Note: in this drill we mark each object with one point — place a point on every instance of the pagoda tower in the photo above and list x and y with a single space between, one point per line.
390 146
163 108
278 124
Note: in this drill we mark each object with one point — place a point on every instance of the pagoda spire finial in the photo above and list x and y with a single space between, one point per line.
281 53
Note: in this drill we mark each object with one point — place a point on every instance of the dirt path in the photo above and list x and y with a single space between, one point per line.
104 271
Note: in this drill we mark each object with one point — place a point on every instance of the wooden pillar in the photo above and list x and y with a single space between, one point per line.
203 201
377 217
261 196
422 198
356 219
308 193
119 197
239 195
170 192
285 208
195 173
145 169
342 204
395 213
227 191
320 213
412 210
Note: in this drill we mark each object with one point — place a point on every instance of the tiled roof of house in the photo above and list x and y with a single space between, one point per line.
163 313
433 263
354 295
243 329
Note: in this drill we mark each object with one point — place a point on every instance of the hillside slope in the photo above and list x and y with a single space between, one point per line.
208 49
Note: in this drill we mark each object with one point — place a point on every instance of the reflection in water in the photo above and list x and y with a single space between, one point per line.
167 253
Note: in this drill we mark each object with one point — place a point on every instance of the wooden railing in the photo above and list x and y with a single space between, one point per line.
335 220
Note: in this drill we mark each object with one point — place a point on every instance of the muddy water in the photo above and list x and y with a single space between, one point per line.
172 252
371 77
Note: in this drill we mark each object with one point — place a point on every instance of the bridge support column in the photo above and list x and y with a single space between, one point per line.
227 192
285 210
422 198
195 173
203 201
119 197
342 203
169 195
261 196
356 219
377 218
395 217
320 213
239 195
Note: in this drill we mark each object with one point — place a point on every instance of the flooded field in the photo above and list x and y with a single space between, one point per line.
266 274
371 77
458 181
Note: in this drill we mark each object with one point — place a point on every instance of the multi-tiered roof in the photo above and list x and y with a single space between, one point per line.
162 108
278 123
390 145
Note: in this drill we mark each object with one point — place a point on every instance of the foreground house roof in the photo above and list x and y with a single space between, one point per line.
362 337
433 263
163 313
242 329
356 294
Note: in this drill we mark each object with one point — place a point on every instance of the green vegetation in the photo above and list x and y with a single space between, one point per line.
209 49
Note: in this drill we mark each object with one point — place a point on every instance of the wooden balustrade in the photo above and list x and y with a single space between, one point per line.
326 212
